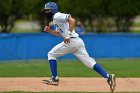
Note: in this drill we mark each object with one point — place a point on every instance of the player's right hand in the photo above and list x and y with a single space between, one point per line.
66 40
47 28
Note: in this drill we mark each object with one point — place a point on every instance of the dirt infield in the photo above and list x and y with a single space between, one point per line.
83 84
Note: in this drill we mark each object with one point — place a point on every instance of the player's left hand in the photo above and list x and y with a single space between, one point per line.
66 40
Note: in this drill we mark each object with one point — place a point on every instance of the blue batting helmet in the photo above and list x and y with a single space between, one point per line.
53 6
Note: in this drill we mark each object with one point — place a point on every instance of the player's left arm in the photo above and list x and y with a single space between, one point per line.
71 27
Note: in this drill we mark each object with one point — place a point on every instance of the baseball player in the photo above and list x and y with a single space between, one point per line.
63 26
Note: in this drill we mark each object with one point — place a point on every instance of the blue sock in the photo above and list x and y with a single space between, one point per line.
100 70
53 66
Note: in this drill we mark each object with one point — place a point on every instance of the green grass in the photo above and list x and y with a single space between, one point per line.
136 24
67 68
25 29
15 30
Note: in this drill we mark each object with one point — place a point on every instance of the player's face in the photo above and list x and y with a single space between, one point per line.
46 11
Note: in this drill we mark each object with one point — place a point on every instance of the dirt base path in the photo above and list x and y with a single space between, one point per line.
83 84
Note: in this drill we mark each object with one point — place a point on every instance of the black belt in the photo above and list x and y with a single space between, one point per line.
73 37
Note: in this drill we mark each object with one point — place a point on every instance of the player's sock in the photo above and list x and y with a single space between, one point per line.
100 70
53 66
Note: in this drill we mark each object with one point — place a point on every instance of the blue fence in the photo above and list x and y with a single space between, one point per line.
37 45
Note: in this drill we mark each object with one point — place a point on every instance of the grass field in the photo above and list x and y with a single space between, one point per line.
68 68
71 68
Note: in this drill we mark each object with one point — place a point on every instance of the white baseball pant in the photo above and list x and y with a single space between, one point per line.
76 47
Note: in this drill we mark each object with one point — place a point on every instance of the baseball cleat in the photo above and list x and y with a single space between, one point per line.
112 82
52 81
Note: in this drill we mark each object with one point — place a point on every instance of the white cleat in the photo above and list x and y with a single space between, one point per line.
112 82
51 81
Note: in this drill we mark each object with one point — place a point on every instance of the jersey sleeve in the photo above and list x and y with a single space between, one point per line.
67 15
53 27
63 17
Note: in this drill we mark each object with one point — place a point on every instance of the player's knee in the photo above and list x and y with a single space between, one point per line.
88 61
51 56
90 64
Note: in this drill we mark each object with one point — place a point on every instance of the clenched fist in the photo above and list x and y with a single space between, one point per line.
47 28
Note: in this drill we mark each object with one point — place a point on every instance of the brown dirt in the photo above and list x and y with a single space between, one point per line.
83 84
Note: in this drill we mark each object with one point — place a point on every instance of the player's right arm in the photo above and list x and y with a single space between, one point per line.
51 29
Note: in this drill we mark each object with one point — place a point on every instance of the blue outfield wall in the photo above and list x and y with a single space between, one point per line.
37 45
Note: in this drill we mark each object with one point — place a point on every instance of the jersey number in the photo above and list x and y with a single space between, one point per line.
60 30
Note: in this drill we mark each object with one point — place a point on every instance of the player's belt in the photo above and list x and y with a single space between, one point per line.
73 37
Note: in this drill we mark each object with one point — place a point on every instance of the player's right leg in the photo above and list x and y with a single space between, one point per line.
59 50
